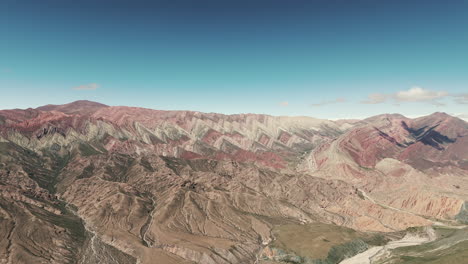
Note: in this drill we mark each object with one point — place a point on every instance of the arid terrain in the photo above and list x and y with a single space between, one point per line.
90 183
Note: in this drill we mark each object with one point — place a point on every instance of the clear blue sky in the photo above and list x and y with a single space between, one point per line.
318 58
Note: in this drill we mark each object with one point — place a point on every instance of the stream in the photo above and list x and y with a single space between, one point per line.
375 253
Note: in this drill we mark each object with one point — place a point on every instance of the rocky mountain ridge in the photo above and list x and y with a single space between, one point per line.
106 184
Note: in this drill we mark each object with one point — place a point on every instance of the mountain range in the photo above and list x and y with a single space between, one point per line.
89 183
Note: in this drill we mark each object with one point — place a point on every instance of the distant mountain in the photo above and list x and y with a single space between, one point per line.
81 107
90 183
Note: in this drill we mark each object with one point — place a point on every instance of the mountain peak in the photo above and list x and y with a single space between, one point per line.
80 106
440 114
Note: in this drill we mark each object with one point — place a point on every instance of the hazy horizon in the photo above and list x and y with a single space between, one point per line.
461 116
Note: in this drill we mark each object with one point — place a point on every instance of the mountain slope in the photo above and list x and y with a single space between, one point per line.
123 184
418 165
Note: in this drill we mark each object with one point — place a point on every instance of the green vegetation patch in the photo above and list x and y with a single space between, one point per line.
147 165
322 241
457 253
462 216
119 172
87 150
319 243
4 147
87 172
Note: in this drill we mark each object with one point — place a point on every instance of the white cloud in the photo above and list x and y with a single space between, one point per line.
461 98
375 98
437 103
90 86
414 94
337 100
418 94
285 103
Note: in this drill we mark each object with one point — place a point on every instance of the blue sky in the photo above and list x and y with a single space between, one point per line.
320 58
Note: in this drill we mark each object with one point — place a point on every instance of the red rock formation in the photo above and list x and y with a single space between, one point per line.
184 187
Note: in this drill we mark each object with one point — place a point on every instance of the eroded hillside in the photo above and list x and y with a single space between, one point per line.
90 183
